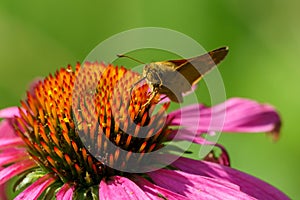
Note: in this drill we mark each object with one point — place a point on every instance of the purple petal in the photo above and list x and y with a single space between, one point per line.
10 112
120 188
15 169
234 115
185 134
248 184
65 192
222 159
154 191
195 186
37 188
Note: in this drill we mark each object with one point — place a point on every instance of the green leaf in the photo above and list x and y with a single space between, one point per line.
27 179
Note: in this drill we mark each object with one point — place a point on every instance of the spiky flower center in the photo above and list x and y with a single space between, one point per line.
70 120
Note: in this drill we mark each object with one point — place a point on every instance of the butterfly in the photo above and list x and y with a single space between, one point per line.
173 78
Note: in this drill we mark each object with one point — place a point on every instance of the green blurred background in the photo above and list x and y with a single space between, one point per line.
38 37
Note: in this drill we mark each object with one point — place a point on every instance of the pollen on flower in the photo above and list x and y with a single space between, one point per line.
71 119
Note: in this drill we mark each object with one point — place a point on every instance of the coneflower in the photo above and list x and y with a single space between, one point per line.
89 135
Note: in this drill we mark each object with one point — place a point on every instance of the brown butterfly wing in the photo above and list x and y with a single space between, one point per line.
194 68
175 77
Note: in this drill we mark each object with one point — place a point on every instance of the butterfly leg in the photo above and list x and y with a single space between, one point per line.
152 96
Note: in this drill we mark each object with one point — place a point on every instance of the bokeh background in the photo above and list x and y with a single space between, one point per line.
38 37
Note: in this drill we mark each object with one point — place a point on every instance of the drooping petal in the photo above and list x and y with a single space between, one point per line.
222 158
234 115
195 186
3 190
65 193
11 142
248 184
12 156
15 169
120 188
69 194
37 188
156 192
185 134
6 129
9 112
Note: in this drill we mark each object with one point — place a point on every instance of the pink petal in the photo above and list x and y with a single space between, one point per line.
154 191
9 112
11 143
12 156
15 169
37 188
6 130
3 190
120 188
234 115
248 184
65 193
69 194
195 186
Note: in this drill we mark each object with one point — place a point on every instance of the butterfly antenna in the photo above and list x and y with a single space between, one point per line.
125 56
